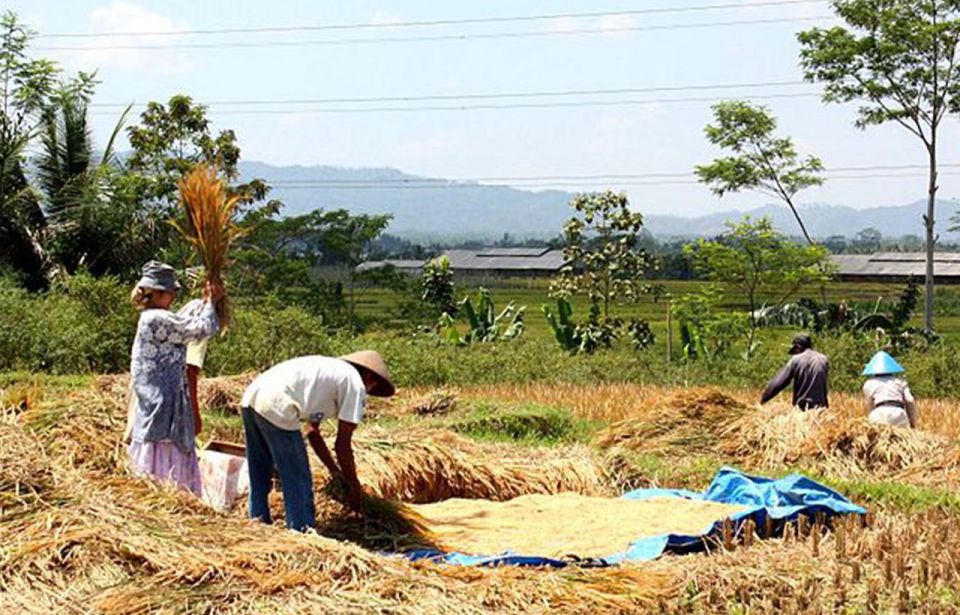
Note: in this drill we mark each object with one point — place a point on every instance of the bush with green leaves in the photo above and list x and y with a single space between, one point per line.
82 324
266 332
484 323
581 337
437 289
705 331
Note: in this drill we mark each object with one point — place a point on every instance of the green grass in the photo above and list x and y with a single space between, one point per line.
379 305
902 496
522 423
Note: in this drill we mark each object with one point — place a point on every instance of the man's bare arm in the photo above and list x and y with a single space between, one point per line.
344 450
320 448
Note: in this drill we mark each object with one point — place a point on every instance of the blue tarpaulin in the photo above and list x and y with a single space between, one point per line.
781 500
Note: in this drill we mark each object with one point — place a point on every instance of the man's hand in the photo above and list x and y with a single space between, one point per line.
356 500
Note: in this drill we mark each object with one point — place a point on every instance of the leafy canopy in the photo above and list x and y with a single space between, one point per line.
898 57
602 257
760 160
760 263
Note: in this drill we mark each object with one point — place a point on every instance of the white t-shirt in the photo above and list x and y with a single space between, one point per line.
881 389
307 389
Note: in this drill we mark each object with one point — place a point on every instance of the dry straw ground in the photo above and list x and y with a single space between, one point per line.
78 535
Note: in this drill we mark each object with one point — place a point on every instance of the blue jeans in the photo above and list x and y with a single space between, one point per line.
270 447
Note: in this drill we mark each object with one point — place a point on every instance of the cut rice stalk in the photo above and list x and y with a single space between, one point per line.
210 227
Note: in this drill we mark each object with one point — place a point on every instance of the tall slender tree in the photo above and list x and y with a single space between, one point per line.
897 58
759 160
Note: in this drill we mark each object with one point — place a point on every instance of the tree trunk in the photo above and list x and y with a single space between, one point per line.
928 221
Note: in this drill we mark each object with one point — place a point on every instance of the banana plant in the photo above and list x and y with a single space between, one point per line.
562 324
484 323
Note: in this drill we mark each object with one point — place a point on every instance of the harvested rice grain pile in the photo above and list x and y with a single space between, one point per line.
563 524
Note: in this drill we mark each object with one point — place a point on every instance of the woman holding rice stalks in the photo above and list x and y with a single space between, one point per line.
164 425
887 396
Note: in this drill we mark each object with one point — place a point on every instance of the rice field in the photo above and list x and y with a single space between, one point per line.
79 535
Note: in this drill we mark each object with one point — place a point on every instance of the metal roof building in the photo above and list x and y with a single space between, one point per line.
896 266
528 261
413 267
487 261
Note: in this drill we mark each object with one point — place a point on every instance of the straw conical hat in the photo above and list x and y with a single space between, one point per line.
373 362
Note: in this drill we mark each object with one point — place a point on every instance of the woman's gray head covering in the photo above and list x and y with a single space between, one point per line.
158 276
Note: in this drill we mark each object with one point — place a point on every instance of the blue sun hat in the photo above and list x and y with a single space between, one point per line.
882 364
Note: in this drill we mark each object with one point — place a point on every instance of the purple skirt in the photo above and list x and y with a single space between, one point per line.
167 463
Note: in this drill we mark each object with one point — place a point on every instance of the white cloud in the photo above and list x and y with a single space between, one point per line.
617 26
126 17
564 24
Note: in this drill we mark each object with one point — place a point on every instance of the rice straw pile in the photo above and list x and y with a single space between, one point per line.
209 226
683 424
564 524
79 536
427 466
843 446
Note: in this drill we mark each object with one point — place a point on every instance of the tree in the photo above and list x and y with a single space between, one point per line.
169 141
868 240
437 286
90 224
898 59
760 263
601 256
837 244
27 85
345 241
761 161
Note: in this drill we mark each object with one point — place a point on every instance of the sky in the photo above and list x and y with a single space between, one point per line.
621 139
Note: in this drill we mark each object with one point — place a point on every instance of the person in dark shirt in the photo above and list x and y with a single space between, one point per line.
807 370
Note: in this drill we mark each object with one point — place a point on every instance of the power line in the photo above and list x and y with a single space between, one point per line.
486 95
434 22
490 107
685 178
436 38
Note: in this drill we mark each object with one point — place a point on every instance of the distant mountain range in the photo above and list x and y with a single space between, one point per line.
431 209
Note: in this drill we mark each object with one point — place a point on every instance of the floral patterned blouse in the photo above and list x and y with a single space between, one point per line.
158 372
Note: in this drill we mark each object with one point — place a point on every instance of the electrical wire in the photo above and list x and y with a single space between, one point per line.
435 38
484 95
433 22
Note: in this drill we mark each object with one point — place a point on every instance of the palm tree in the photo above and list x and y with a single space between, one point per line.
88 223
22 222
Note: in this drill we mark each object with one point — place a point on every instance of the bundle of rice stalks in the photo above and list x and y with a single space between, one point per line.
427 466
843 446
209 225
19 397
684 424
393 519
435 403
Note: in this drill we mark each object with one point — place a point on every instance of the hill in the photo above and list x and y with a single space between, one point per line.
426 208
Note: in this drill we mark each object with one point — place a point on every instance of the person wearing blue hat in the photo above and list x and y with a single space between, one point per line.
887 396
